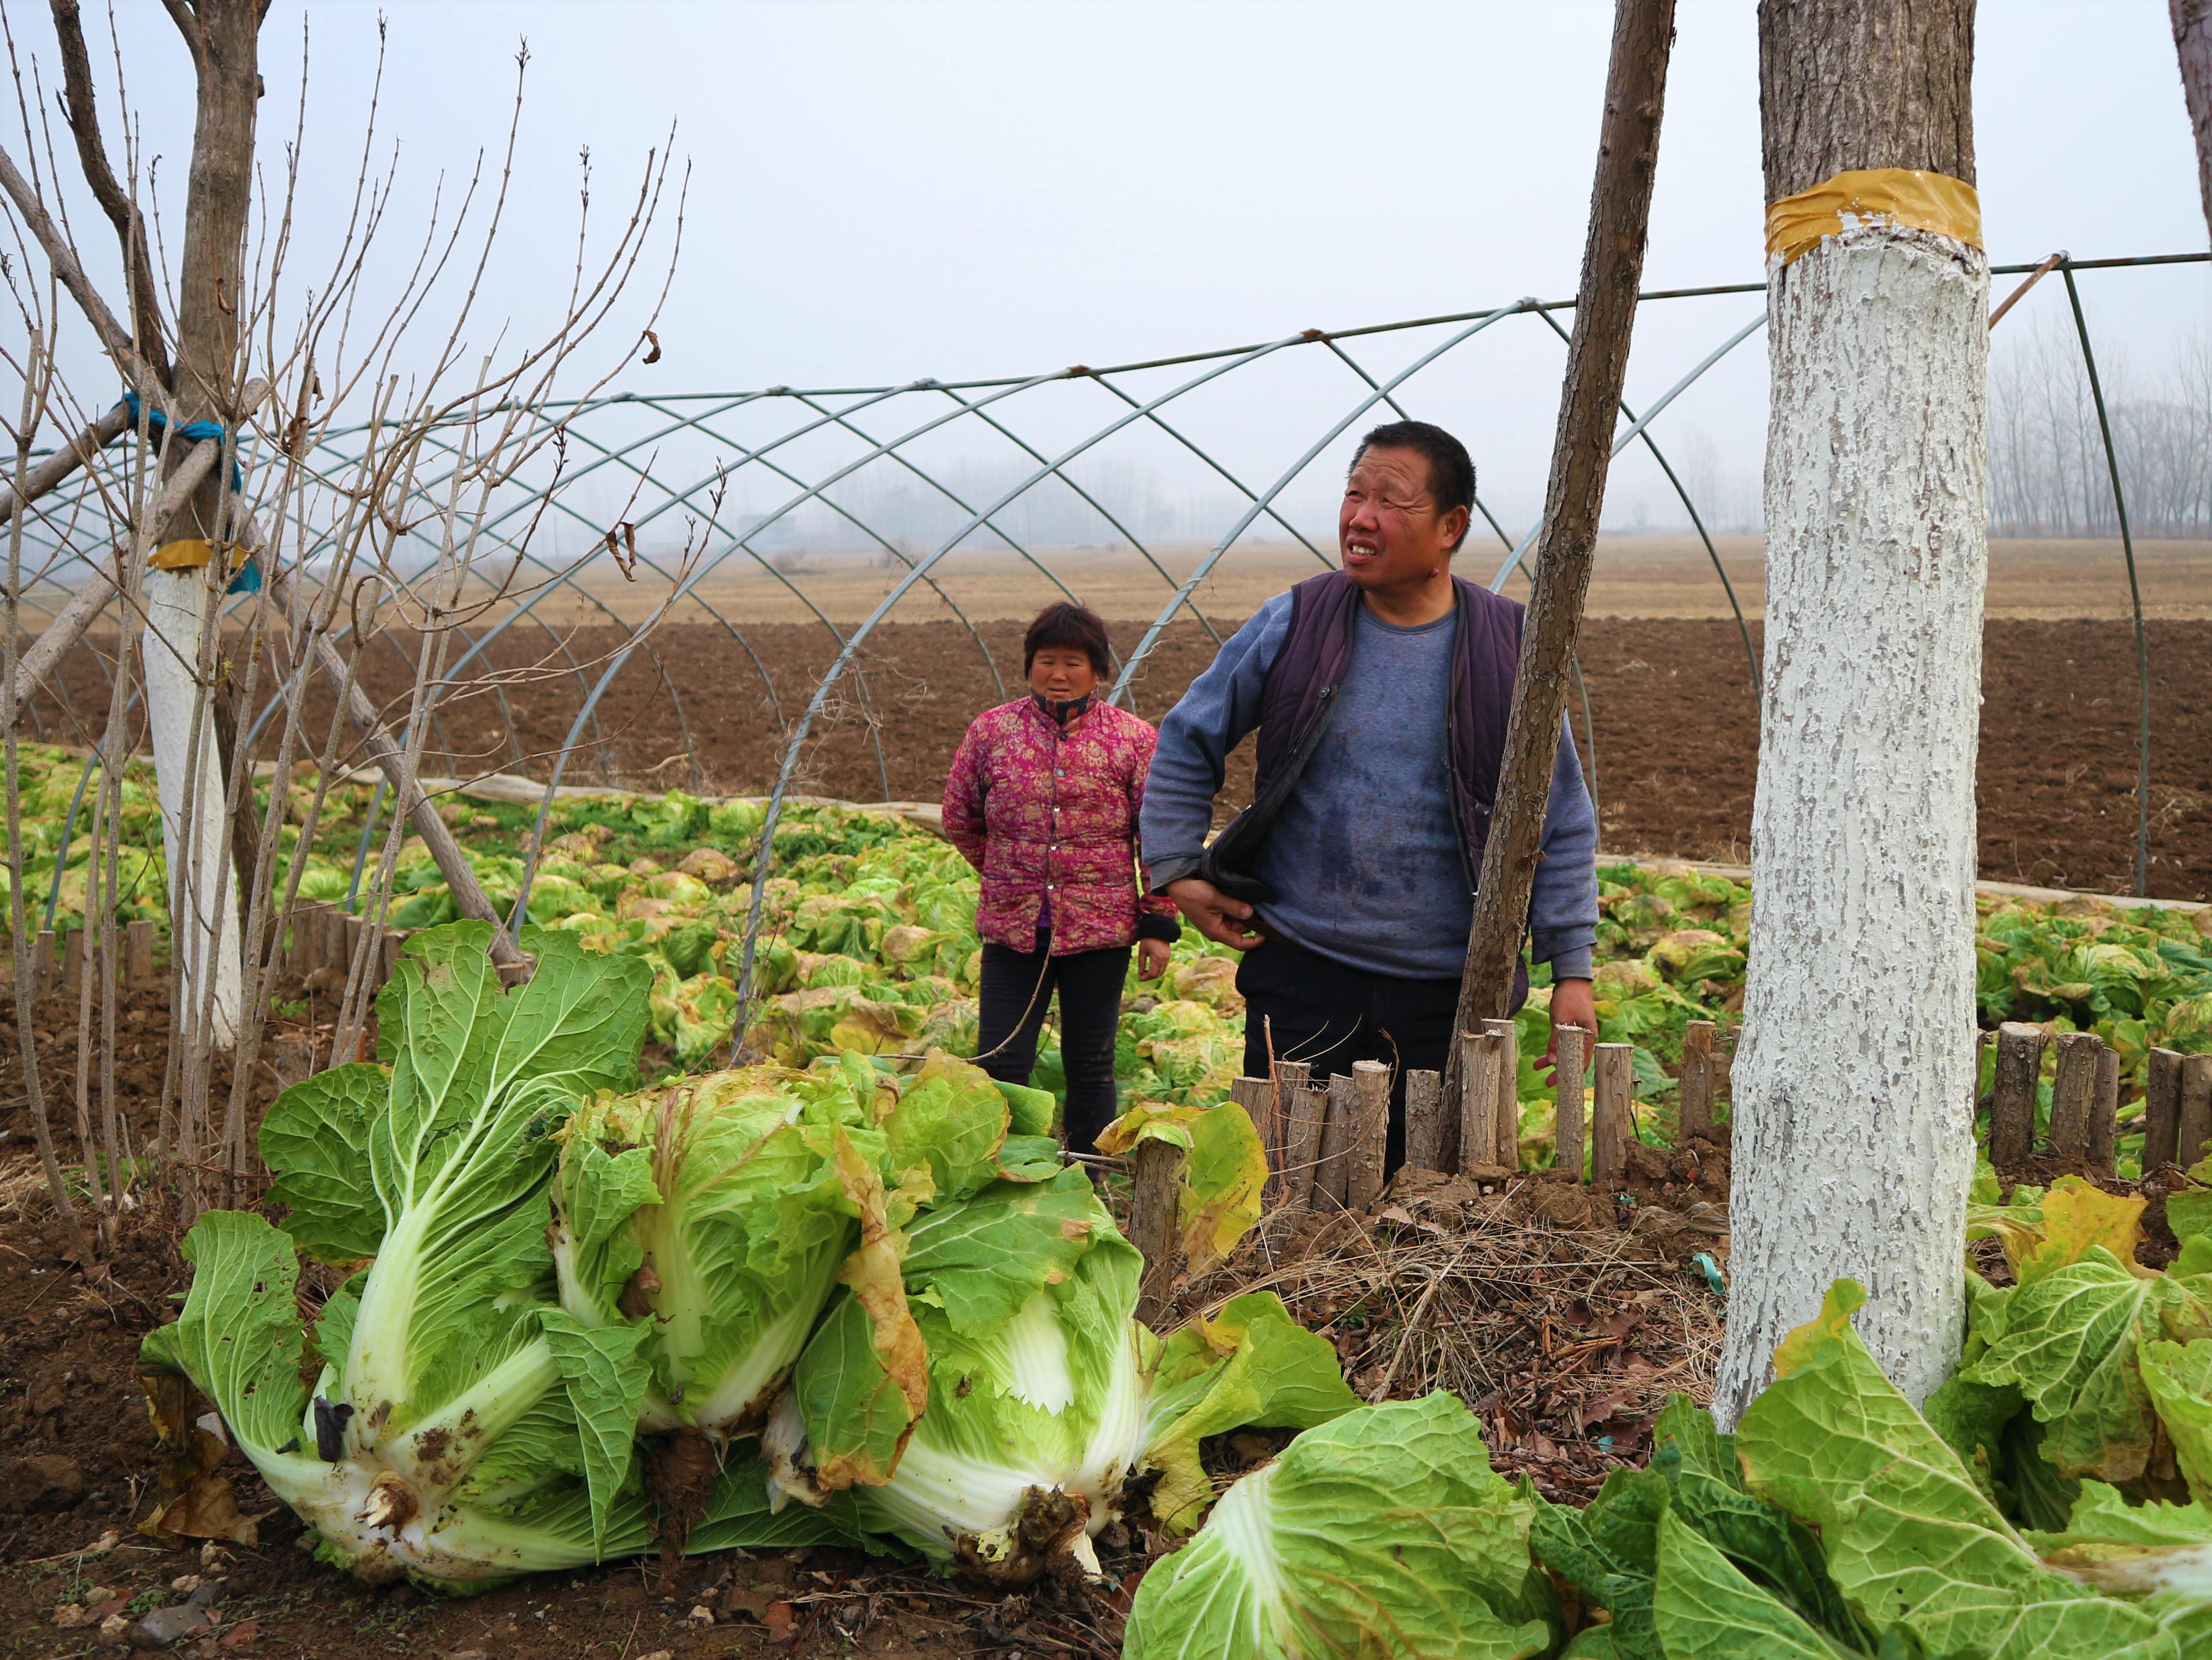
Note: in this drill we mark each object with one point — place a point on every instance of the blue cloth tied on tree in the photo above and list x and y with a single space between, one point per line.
248 579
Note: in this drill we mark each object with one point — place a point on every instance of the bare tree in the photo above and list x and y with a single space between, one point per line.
1854 1089
2048 473
237 374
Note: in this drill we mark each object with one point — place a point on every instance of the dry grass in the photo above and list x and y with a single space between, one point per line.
22 1188
1567 1334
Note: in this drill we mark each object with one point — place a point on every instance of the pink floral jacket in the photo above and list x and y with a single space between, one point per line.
1050 817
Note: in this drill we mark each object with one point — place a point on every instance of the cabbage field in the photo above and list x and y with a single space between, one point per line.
868 944
552 1282
854 1306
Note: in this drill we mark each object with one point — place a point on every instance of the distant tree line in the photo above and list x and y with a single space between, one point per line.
2048 474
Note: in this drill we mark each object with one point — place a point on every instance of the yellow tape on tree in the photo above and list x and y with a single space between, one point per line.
1900 195
191 553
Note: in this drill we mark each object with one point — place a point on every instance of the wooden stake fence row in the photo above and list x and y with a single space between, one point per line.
2085 1101
1326 1139
58 964
326 938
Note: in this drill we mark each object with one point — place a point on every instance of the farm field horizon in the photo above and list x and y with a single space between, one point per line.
1670 697
1658 575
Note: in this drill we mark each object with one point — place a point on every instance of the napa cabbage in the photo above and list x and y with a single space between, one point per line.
462 1425
722 1210
1384 1533
1015 1429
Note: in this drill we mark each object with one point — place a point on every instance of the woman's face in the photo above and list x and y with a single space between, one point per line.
1062 673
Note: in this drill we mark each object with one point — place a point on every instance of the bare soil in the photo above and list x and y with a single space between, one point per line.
1670 700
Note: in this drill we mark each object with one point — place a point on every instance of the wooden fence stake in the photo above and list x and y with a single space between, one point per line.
1508 1110
387 956
1478 1100
42 964
327 940
300 955
138 953
1368 1134
2073 1087
2196 1116
1338 1130
1425 1119
1614 1122
2012 1093
73 960
2162 1109
1153 1224
1694 1117
1304 1110
1569 1068
2104 1114
351 930
292 1057
1257 1097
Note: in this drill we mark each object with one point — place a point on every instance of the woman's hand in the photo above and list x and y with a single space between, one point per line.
1227 922
1151 958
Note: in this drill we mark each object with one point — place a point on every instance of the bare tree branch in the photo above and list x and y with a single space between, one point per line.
81 109
70 622
62 462
187 25
112 335
469 896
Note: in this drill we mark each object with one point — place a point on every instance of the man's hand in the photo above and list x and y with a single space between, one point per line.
1225 920
1151 958
1572 1005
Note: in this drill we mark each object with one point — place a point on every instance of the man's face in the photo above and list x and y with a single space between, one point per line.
1388 530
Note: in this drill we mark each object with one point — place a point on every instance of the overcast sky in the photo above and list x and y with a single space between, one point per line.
886 191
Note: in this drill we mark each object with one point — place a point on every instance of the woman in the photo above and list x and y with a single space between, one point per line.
1043 799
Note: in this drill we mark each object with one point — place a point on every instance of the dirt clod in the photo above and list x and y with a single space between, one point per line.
47 1482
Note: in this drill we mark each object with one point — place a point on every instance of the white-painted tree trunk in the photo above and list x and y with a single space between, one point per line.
202 912
1854 1084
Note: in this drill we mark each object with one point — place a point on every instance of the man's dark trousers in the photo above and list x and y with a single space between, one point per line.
1328 1014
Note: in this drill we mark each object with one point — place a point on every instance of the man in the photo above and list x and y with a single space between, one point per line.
1380 694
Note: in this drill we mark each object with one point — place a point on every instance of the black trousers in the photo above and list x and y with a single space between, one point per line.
1328 1014
1017 988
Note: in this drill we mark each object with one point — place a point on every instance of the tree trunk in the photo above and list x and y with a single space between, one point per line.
2192 43
1582 453
202 903
1854 1086
222 36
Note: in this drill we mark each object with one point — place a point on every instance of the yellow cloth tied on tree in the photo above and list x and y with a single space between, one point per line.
193 553
1901 196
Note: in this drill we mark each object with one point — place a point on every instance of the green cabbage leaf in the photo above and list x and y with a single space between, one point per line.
1382 1534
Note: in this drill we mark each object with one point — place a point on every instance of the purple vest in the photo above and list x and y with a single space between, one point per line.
1298 698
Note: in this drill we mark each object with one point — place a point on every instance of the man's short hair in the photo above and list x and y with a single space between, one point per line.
1451 469
1065 627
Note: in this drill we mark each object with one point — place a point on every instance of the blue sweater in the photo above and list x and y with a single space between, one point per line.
1365 860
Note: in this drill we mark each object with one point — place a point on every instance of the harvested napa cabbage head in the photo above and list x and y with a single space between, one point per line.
551 1485
1043 1397
726 1208
1383 1533
712 1206
463 1427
